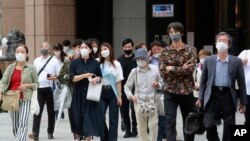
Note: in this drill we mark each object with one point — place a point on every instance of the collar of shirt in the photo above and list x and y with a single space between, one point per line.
226 60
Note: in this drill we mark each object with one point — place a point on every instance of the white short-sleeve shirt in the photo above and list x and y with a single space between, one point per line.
116 71
53 67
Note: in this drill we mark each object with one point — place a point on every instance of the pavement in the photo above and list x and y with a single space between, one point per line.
63 133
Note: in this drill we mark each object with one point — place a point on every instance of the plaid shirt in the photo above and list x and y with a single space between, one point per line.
179 80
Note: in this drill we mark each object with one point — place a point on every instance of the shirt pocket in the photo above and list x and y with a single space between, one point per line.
27 76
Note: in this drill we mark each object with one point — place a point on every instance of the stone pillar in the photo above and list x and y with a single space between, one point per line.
13 15
48 20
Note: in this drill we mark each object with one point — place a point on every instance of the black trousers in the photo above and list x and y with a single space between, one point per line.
220 106
171 103
125 113
44 95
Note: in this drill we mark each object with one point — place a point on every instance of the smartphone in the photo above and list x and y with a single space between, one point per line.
49 75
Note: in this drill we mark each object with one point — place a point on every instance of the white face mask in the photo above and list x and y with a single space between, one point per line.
57 53
20 57
84 52
95 49
65 48
202 61
141 63
221 46
156 55
105 53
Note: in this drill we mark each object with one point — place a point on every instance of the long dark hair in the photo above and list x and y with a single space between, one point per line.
59 47
26 49
111 55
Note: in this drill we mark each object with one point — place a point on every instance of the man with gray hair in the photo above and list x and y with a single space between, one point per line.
217 93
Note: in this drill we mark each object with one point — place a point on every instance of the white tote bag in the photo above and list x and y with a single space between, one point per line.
94 92
34 108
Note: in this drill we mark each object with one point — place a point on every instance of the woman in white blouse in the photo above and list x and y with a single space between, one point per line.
111 91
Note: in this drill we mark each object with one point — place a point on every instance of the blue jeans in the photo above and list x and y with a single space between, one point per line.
162 130
108 98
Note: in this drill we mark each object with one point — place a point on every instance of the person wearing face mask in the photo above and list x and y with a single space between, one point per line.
176 65
67 47
156 47
217 94
61 57
95 46
20 76
84 113
127 64
48 69
64 78
111 91
146 79
198 69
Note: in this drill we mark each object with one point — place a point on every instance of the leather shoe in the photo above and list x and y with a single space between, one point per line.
127 135
34 137
50 136
123 126
134 132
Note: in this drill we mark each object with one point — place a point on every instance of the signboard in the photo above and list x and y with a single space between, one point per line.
163 10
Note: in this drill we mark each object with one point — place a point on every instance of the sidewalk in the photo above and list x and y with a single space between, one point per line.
63 132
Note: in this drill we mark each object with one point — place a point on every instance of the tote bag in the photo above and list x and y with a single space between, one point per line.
94 92
34 108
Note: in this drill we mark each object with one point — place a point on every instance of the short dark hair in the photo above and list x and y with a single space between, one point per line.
226 34
155 43
177 26
77 42
66 42
126 41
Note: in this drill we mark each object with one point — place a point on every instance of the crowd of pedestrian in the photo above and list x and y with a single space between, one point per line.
146 85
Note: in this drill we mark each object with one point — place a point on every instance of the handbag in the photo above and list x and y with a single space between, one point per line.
94 91
159 100
34 108
194 122
11 100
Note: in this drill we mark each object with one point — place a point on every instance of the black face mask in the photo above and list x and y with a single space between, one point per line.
128 52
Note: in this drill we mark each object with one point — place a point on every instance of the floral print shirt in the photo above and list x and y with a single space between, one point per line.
179 80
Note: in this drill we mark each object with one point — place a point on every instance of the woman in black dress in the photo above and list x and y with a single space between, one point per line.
86 121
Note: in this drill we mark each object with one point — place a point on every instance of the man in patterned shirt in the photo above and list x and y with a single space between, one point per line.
176 64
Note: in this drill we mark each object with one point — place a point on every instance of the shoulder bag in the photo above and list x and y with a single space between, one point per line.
11 100
145 106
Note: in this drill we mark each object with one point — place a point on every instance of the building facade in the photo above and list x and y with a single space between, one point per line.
115 20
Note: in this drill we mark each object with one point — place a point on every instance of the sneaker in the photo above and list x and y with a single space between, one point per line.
123 126
50 136
34 137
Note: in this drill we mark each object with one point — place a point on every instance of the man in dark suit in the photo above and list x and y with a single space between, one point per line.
217 88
